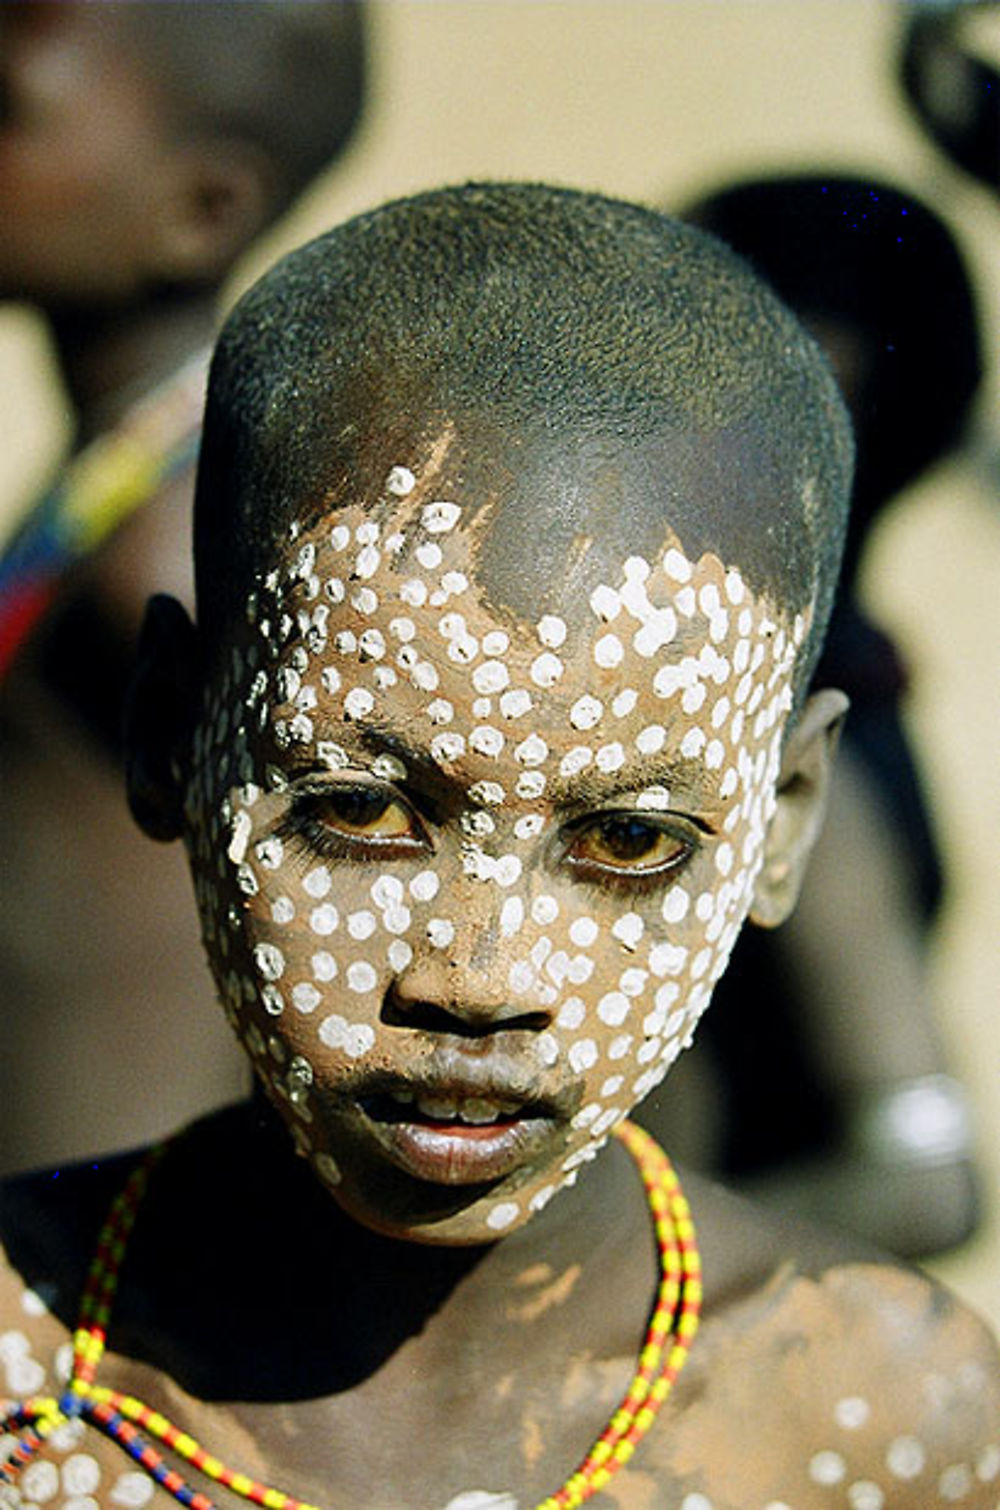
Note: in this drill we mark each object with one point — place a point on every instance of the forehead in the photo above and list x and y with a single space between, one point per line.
552 513
381 622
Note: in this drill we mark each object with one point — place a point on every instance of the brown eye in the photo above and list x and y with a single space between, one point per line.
625 843
365 812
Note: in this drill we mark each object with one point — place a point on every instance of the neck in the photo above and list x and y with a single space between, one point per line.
110 359
356 1298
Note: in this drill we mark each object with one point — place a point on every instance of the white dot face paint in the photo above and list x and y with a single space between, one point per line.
444 814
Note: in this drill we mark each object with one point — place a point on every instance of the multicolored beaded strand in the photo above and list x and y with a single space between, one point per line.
100 487
667 1343
675 1318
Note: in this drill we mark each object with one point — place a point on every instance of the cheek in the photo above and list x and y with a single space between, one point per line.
317 946
627 981
625 986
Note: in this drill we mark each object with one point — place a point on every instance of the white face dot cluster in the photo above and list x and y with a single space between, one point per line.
664 698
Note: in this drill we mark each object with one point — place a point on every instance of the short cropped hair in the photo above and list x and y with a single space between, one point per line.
287 76
543 309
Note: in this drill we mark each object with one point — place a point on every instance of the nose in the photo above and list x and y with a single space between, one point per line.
463 987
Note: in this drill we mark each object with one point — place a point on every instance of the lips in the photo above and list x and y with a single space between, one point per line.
458 1134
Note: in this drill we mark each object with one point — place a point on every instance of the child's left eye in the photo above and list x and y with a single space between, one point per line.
627 846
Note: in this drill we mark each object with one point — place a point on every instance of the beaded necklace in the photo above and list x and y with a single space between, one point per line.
110 479
124 1419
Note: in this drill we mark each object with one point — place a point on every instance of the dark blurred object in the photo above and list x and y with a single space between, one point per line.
820 1032
954 91
878 278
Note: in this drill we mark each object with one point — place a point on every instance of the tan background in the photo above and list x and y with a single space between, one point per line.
658 99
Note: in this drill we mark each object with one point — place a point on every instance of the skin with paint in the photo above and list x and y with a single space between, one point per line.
556 836
474 820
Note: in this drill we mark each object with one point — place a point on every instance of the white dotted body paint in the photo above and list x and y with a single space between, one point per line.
481 1499
906 1458
864 1494
827 1468
481 903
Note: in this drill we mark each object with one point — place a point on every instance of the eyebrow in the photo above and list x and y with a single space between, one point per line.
593 787
380 739
587 789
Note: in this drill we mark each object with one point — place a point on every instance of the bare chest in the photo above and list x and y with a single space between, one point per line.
798 1441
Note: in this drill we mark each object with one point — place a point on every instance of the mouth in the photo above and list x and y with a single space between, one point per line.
458 1136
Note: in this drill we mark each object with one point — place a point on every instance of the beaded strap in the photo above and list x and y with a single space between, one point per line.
119 1417
110 479
671 1330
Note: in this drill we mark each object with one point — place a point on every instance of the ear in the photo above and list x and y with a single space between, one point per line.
803 785
161 711
213 198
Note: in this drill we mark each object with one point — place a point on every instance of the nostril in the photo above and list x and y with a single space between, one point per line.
415 1014
464 1020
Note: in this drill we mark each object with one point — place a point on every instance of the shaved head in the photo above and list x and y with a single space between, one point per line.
593 376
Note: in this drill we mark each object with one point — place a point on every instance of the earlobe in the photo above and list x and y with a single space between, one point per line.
161 710
803 785
214 200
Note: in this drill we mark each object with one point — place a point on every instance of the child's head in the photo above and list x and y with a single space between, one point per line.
518 518
145 145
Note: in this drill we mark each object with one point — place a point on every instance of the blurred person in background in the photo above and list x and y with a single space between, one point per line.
881 1127
143 148
950 75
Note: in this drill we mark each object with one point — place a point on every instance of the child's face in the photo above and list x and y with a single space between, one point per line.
466 879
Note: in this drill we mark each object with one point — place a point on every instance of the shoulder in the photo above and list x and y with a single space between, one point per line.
835 1376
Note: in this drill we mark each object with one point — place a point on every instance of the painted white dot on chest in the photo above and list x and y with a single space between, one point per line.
132 1491
608 651
81 1474
827 1468
481 1499
988 1464
852 1412
955 1482
863 1494
546 669
490 677
40 1483
906 1457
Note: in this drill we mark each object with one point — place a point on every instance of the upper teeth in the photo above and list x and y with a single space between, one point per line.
474 1109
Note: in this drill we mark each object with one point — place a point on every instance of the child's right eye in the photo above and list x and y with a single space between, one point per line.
355 822
364 811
